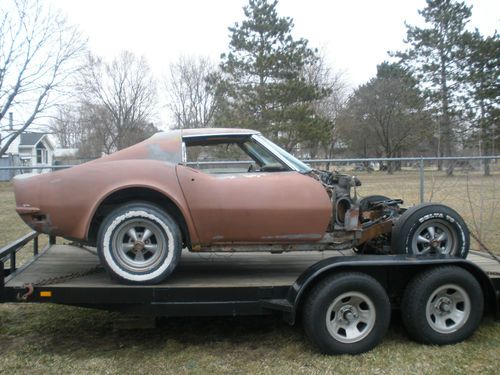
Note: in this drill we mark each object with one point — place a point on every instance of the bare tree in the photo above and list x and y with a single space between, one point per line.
126 91
191 98
328 107
65 125
38 52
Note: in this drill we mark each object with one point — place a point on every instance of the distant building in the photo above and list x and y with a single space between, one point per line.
32 149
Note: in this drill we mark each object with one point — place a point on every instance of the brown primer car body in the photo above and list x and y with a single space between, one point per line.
225 210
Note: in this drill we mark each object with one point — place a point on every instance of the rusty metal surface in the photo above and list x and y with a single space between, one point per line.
375 230
220 210
256 207
67 199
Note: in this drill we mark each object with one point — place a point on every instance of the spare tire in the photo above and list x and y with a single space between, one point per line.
431 228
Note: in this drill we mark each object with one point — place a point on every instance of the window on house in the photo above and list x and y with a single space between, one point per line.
41 154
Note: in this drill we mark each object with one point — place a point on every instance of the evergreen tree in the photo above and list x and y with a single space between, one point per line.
436 55
263 85
483 89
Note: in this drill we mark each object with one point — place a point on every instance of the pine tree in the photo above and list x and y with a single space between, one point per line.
483 88
436 55
262 84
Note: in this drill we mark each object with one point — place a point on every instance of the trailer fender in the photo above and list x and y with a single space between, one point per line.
384 268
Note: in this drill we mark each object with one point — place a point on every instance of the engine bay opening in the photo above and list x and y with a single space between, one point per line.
341 207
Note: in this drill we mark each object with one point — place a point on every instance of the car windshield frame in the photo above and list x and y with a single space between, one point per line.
283 155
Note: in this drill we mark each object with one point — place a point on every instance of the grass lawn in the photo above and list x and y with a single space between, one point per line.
42 339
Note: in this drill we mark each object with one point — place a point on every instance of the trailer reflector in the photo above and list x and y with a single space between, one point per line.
46 293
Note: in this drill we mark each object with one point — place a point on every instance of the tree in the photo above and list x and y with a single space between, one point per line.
65 126
38 54
122 95
483 88
388 113
262 84
191 97
328 107
436 56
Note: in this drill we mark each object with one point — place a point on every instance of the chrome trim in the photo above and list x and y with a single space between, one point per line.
218 135
183 153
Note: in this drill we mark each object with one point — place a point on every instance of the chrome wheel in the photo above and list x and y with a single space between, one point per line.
350 317
139 245
448 308
434 236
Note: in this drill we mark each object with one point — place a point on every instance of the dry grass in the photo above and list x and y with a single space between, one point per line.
51 339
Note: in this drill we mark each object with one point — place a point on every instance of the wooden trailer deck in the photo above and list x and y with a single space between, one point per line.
195 270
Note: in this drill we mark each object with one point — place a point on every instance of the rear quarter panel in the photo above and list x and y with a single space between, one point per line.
70 197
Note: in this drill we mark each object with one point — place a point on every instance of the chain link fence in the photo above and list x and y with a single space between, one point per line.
467 184
470 185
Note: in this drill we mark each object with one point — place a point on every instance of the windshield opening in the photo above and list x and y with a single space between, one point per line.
290 159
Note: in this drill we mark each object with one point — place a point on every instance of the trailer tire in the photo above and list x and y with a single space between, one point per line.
138 243
442 306
431 228
347 313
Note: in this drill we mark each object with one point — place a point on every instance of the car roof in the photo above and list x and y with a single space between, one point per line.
216 131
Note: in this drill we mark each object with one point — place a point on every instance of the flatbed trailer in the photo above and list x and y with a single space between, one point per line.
209 284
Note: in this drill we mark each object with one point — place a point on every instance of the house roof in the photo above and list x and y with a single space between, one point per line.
30 139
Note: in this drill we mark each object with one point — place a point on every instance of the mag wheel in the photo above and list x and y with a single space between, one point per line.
347 314
139 243
431 229
442 306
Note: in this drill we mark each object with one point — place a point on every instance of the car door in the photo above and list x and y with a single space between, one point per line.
255 207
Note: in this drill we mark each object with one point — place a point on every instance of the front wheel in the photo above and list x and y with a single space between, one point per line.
347 314
138 243
431 229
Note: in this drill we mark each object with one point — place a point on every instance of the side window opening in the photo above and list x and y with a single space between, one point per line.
232 155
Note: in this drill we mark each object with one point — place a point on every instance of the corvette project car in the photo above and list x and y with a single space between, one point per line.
212 190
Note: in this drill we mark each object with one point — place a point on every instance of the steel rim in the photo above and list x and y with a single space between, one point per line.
350 317
434 236
139 245
448 308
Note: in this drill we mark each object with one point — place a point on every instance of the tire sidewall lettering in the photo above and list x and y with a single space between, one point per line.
462 240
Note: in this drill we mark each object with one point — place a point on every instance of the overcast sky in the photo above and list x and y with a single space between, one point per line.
354 34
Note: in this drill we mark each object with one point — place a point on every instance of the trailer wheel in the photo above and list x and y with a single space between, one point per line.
431 229
442 306
138 243
347 313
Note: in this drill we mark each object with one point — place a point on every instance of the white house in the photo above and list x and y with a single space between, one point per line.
33 149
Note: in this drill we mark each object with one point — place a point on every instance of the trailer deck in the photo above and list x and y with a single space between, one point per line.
195 270
234 283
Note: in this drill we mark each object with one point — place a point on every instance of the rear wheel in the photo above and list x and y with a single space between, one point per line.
347 314
139 243
442 306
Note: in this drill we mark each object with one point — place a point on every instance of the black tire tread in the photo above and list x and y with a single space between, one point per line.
309 321
415 297
399 229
